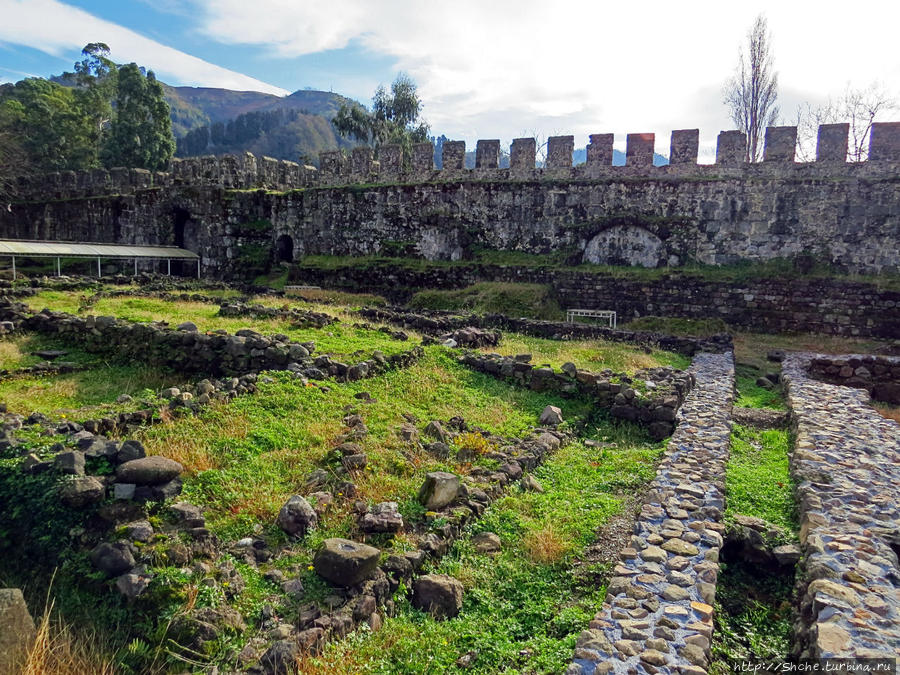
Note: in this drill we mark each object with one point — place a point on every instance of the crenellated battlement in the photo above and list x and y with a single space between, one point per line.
248 172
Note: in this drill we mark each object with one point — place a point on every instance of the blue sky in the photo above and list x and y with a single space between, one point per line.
498 69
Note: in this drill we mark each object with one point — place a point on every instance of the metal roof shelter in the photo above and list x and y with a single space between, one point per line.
67 249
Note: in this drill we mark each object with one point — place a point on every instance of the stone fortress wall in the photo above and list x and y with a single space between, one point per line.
843 213
245 172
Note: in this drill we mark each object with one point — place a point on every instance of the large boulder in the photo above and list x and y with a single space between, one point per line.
154 470
551 416
16 629
438 594
280 658
81 491
297 516
439 489
344 562
113 559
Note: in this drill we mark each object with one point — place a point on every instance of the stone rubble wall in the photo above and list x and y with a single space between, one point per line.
658 610
654 404
187 350
846 463
879 375
774 305
439 322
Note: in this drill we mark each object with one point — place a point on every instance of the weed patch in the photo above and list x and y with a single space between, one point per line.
757 479
523 608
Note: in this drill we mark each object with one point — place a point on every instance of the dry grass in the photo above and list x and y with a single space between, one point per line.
546 545
57 650
892 412
590 355
11 355
191 449
751 348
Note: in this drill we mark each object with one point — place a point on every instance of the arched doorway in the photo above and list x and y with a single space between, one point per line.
284 249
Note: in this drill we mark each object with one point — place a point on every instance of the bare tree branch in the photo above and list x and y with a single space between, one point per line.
859 107
752 92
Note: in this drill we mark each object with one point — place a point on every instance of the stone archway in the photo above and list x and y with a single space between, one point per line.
625 245
284 249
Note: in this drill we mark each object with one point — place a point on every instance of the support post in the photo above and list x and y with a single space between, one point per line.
14 267
135 267
198 268
58 268
99 272
168 266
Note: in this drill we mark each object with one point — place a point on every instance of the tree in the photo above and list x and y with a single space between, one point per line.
857 106
140 135
96 77
753 90
394 117
48 121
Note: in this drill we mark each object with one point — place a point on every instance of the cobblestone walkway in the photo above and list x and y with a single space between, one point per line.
847 465
657 616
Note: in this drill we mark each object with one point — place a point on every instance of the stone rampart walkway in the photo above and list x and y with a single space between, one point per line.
847 466
658 610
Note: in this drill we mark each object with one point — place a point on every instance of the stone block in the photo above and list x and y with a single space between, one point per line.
639 149
487 154
831 143
331 163
390 158
522 154
684 146
731 148
559 152
884 142
781 144
360 162
453 155
600 150
16 629
423 157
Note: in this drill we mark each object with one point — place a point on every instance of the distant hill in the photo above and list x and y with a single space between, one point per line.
207 120
195 106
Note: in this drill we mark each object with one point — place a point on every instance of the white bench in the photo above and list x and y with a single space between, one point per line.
602 314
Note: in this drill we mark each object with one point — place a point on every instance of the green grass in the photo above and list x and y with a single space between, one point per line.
752 395
89 392
245 458
757 479
523 608
590 355
535 301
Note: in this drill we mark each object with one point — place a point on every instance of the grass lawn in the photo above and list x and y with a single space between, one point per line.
590 355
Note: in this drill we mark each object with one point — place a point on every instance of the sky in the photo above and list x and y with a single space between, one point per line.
498 69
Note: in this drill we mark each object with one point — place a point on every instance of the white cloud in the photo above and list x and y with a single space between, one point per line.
56 28
489 69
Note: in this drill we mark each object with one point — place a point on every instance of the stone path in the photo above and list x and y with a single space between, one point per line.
847 465
657 616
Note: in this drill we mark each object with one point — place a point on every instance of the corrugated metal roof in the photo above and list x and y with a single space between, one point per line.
67 249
